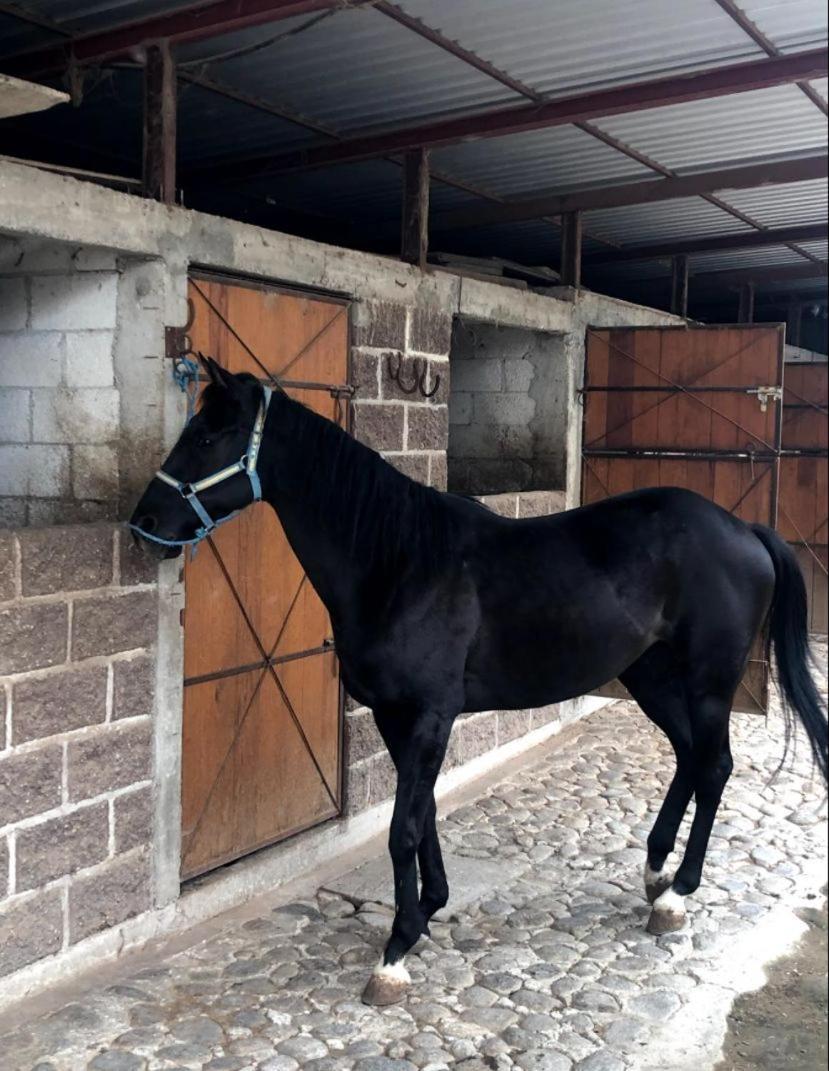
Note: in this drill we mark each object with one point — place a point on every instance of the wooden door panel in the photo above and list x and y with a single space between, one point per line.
674 407
262 710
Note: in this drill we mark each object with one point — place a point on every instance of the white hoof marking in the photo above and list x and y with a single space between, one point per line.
392 972
670 903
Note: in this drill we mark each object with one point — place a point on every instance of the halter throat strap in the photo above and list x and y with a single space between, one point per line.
190 492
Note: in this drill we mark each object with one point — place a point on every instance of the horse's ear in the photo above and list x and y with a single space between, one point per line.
217 374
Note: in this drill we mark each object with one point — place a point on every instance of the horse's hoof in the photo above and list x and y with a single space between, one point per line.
654 889
388 985
662 922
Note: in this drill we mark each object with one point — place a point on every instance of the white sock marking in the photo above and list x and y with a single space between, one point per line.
670 903
393 972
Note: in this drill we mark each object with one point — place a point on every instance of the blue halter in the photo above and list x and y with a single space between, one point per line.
190 491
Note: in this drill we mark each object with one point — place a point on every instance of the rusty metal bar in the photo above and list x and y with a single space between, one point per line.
745 312
414 224
679 285
159 158
571 242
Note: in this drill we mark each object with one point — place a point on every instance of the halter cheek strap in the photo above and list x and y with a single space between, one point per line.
190 491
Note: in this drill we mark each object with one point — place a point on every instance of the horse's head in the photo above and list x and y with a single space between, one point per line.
211 471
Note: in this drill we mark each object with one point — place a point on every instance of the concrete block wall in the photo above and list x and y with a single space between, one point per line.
59 405
409 430
78 627
507 411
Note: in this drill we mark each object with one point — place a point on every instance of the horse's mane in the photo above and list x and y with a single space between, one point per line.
382 517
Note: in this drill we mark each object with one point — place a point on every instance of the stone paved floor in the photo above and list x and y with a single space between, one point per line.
552 972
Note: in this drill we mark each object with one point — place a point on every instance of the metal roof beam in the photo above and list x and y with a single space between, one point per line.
756 34
753 240
192 23
648 191
675 89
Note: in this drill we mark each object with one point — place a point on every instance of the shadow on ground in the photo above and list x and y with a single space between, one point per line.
783 1027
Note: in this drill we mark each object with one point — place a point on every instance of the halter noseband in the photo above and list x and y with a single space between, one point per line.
190 491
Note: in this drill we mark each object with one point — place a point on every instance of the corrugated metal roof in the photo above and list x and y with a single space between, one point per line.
75 16
785 205
689 217
765 123
789 24
744 258
555 47
559 159
357 69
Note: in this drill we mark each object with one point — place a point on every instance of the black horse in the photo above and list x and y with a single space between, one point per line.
440 607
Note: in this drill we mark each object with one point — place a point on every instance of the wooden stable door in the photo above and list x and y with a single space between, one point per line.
262 702
804 473
695 407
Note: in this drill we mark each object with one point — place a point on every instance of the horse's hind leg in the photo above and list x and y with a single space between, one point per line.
712 768
655 682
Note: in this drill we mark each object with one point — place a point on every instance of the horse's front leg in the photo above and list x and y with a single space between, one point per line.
420 753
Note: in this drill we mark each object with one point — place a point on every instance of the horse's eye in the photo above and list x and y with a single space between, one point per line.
205 442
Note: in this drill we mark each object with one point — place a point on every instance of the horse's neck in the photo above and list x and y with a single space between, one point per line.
291 477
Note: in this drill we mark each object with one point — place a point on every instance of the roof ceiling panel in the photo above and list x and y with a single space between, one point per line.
558 48
781 206
689 217
558 159
789 24
355 69
764 123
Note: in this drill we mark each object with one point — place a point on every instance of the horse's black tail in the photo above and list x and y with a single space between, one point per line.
790 635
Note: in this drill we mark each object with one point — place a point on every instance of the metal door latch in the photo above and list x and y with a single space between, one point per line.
766 395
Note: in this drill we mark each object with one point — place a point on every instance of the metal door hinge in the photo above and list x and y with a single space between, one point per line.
766 395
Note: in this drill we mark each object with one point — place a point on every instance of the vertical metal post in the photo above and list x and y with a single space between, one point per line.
794 318
414 232
571 232
679 285
159 171
745 315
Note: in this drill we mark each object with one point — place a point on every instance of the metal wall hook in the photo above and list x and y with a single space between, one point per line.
419 368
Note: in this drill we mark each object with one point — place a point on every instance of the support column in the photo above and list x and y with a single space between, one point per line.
794 318
159 172
570 268
745 314
414 233
679 285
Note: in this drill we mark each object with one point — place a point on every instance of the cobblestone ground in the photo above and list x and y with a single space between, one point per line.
552 972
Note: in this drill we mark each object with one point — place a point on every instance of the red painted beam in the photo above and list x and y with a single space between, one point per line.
192 23
675 89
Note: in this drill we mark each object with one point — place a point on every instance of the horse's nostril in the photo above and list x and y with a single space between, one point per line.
147 523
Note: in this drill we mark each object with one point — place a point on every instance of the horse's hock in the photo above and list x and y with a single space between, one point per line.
94 642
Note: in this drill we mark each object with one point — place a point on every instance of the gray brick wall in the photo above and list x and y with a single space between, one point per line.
410 431
77 664
59 404
507 412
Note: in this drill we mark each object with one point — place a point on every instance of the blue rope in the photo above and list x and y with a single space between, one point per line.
186 377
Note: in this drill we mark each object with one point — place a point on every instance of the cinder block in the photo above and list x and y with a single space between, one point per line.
32 637
504 409
430 331
7 567
133 691
428 427
43 512
460 408
518 375
133 812
30 360
78 302
62 845
473 440
89 360
65 559
112 757
30 783
83 415
89 258
110 895
361 738
364 374
15 415
415 466
379 426
483 374
44 706
13 307
12 512
95 472
380 324
30 255
34 471
30 929
110 624
438 474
